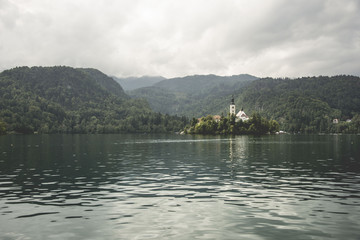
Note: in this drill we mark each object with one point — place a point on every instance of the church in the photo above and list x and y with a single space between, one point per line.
241 115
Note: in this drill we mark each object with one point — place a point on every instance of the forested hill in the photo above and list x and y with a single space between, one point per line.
307 104
199 84
68 100
193 96
71 88
132 83
105 81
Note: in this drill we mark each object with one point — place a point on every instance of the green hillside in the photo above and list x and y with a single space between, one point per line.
306 104
193 96
199 84
105 81
132 83
68 100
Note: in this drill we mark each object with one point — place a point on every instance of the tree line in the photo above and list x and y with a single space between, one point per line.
300 105
308 104
68 100
256 125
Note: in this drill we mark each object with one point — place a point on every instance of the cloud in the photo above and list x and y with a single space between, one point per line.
177 38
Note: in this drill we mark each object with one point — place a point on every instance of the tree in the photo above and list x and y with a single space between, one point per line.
273 126
193 122
2 128
229 125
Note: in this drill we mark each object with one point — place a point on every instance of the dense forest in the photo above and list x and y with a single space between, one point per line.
256 125
67 100
308 104
193 96
132 83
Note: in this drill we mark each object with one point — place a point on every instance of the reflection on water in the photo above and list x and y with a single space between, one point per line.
179 187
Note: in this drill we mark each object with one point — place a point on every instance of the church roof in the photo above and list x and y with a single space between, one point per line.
241 114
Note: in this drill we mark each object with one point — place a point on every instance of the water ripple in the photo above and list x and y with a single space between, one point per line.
182 189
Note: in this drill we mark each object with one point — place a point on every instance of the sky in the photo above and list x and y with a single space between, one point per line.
175 38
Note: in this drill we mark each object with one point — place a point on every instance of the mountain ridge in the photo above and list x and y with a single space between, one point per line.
132 83
190 95
82 100
306 104
195 83
68 100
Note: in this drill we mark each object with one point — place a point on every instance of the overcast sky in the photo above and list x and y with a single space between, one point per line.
174 38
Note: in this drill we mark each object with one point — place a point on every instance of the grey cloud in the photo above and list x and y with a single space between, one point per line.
176 38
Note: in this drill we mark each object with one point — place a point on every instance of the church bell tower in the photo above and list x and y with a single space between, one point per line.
232 106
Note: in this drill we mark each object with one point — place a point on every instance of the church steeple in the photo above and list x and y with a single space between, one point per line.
232 106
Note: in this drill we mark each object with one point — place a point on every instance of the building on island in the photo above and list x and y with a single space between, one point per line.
241 115
232 106
217 118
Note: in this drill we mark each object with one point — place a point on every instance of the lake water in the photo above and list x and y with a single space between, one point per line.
179 187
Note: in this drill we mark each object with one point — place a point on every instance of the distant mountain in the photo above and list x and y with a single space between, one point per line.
192 96
68 100
132 83
198 84
159 99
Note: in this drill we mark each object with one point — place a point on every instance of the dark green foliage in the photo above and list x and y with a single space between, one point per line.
191 96
105 81
306 105
200 84
159 99
68 100
64 99
256 125
347 127
132 83
2 128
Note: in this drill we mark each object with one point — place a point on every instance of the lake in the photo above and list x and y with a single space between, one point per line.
179 187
